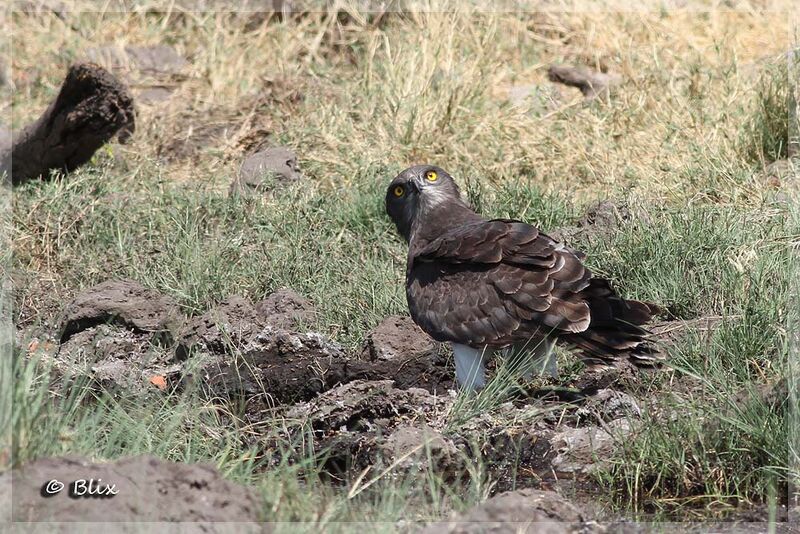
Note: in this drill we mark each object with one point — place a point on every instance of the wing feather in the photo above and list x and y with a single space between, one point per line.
500 282
495 281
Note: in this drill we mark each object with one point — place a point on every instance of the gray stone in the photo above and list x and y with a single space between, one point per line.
584 449
264 170
158 59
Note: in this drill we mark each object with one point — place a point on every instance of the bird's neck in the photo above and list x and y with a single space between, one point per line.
433 221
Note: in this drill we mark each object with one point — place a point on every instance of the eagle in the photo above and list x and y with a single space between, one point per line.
502 285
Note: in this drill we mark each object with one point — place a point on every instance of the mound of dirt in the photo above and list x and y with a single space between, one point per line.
251 352
227 327
365 423
91 107
525 510
374 424
286 309
395 337
119 333
361 404
289 367
276 366
600 221
223 329
126 303
146 489
115 358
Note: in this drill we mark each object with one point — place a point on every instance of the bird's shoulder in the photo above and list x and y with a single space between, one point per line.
487 241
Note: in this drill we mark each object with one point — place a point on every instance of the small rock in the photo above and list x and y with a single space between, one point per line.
244 350
583 450
263 170
591 83
147 489
122 302
223 329
154 95
395 337
158 59
525 510
607 405
286 309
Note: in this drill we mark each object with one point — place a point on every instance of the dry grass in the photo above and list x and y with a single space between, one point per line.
431 87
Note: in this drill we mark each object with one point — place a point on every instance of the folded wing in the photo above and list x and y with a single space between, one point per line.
501 281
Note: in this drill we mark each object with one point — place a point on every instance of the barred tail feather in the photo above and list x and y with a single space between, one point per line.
615 330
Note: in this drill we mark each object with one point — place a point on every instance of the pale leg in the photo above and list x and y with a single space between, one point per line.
542 358
470 371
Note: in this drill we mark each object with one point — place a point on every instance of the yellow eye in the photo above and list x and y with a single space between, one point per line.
431 176
398 191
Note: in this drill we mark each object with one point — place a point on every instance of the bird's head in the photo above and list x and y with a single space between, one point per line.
417 193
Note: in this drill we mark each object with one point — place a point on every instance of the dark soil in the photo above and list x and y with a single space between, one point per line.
386 403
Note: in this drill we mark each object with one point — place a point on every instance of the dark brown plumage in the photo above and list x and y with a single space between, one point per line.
499 283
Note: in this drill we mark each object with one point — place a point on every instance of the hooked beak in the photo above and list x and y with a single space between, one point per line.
419 183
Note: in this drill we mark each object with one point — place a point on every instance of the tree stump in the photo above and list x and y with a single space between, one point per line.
90 108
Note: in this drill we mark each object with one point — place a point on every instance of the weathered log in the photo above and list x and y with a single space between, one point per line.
90 108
